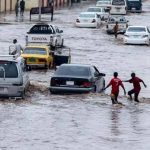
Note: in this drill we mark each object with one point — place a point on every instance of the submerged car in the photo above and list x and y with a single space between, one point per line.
38 56
122 24
137 35
100 11
14 80
88 19
77 78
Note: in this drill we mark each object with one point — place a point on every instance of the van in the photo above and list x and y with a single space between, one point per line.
14 79
134 5
118 7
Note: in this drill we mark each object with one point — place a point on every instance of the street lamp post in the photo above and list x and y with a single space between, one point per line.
40 10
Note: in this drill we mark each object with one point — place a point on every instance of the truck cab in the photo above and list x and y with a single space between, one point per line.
46 34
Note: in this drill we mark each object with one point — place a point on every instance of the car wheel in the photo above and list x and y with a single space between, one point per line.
23 94
94 89
62 43
103 84
55 44
53 92
49 66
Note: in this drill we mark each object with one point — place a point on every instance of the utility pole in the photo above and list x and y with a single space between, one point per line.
40 3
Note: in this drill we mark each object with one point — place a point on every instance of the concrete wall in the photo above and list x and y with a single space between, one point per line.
8 5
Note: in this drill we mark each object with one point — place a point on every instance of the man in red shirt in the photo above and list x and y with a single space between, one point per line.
115 83
136 86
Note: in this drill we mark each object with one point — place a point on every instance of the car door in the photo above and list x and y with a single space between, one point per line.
95 77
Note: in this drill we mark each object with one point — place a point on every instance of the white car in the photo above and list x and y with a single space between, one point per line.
137 35
122 24
103 3
14 80
45 33
88 19
100 11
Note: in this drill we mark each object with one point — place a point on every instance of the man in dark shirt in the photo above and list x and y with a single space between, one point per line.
22 7
136 86
116 29
115 83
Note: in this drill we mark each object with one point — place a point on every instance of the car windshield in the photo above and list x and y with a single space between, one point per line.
8 69
73 71
32 50
118 19
87 15
118 2
103 2
136 29
94 10
41 29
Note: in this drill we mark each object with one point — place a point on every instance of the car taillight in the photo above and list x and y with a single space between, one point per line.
77 20
87 84
93 20
53 82
144 36
42 60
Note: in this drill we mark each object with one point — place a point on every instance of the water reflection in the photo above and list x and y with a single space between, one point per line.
115 118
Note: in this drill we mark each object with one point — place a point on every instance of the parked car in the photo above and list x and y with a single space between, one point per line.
122 23
104 3
38 56
14 80
45 33
88 19
77 78
100 11
137 35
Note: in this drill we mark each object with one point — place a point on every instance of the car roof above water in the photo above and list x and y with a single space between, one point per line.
8 58
78 65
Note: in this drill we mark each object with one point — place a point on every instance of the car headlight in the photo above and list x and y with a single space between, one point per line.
126 35
145 36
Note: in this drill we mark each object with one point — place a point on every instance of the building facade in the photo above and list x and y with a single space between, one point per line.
9 5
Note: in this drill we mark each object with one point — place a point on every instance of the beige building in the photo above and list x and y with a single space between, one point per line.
9 5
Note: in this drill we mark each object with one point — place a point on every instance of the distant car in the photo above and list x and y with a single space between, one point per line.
88 19
122 23
137 35
100 11
45 33
14 80
104 3
38 56
77 78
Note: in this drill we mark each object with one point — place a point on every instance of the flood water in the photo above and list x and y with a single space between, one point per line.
80 121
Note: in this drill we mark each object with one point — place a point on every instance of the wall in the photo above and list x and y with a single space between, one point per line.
8 5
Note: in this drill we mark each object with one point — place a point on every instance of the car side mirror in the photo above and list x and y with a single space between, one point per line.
60 31
102 74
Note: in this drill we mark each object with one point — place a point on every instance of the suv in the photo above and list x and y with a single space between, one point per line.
122 23
14 81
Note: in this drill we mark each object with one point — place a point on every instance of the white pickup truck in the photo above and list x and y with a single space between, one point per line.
46 34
